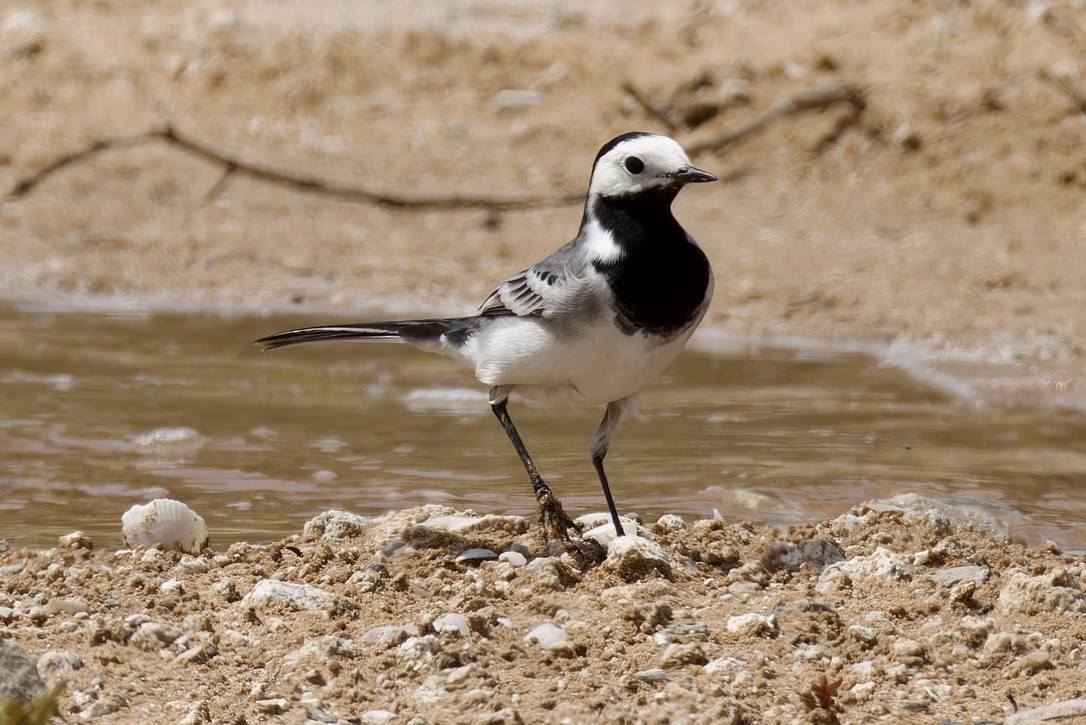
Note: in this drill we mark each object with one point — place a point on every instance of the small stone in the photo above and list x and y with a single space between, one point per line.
670 522
751 624
1055 592
474 556
54 662
689 653
513 558
955 575
76 540
1066 711
19 678
66 605
299 596
192 565
383 637
633 558
863 634
452 622
377 716
335 525
546 635
1030 663
656 674
172 586
273 705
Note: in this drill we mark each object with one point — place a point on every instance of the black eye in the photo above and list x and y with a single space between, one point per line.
634 165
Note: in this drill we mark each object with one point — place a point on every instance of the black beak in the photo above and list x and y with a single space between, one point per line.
692 175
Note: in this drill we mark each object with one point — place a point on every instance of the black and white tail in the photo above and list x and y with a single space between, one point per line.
424 333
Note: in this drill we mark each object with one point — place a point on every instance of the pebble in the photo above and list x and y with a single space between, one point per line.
752 624
880 565
377 716
546 635
304 596
633 558
656 674
335 525
384 637
19 676
452 622
1030 663
513 558
476 555
1055 592
604 533
952 576
54 662
273 705
75 540
172 586
1065 711
66 605
688 653
671 522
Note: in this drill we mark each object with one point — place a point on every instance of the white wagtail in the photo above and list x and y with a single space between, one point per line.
593 322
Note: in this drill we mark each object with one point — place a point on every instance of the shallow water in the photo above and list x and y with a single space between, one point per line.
104 411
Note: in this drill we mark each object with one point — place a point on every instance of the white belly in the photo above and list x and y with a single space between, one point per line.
600 365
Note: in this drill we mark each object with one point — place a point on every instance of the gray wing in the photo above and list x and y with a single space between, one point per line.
560 282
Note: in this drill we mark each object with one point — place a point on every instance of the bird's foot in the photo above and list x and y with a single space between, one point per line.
557 525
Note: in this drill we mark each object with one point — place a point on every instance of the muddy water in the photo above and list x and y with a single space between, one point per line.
103 411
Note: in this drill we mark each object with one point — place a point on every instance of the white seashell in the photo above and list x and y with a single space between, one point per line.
167 522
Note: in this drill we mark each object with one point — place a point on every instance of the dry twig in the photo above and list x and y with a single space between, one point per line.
809 100
233 165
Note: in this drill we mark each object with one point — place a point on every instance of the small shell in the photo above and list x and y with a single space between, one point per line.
167 522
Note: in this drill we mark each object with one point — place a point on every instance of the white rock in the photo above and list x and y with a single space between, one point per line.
880 565
335 525
304 596
54 662
546 635
66 605
384 636
1055 592
655 674
476 555
751 624
633 558
377 716
513 558
452 622
1066 711
670 522
172 586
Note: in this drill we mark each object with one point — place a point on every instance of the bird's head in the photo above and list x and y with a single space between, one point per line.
638 162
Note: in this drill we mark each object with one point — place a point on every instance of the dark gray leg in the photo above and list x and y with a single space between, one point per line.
614 414
550 508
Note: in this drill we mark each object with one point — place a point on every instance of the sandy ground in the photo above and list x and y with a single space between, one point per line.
896 612
438 147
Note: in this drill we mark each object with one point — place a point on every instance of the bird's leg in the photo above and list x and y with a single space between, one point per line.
614 414
551 514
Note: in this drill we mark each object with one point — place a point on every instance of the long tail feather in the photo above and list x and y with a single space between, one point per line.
418 332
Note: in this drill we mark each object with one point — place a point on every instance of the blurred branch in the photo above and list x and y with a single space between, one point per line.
660 113
810 100
233 166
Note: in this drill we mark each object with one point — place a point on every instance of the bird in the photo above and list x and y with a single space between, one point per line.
594 322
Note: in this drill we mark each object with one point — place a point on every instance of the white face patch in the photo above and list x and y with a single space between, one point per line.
637 164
